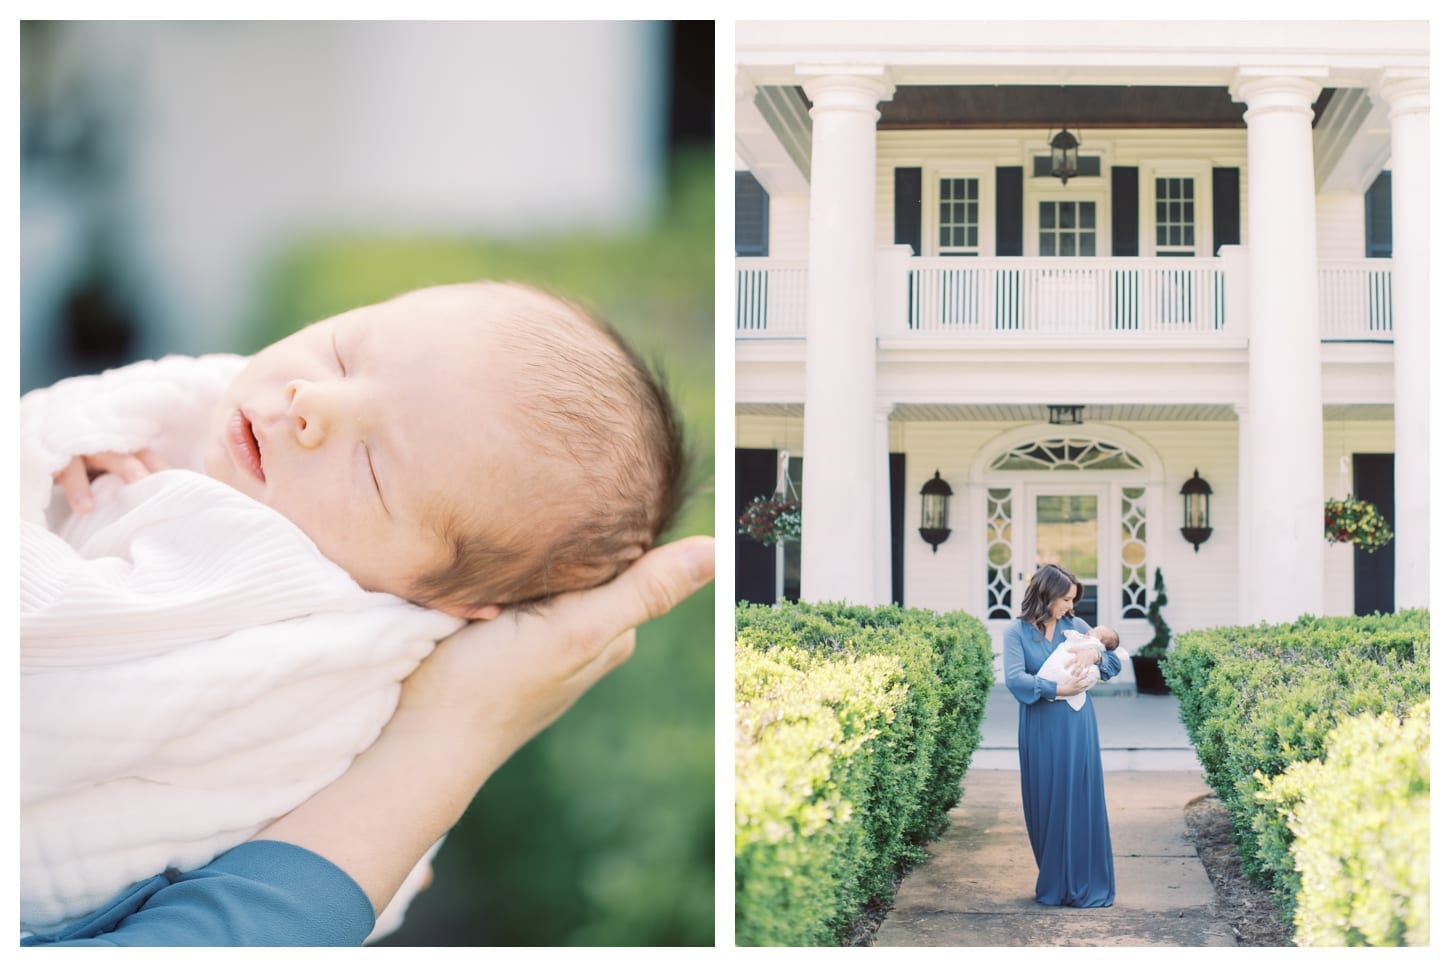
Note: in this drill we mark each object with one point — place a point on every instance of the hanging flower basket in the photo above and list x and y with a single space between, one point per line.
1349 520
772 520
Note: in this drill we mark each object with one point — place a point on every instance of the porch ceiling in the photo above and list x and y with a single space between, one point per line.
1037 413
982 106
1053 105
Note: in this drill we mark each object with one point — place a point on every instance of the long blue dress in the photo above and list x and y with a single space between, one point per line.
1062 773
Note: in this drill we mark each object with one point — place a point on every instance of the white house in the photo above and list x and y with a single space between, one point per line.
1226 289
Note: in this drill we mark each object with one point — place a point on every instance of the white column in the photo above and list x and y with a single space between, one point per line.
1245 496
1283 526
882 502
1408 96
839 503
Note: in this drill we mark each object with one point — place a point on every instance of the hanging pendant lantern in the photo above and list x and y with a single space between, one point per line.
1064 155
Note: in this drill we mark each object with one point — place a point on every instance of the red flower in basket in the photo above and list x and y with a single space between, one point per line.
771 520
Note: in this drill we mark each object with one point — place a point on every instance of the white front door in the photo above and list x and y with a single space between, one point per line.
1067 526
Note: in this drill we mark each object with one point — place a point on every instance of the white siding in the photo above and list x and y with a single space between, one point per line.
981 152
953 577
769 433
1339 225
790 227
1202 586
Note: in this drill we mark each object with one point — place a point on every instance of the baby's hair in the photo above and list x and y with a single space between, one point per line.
587 405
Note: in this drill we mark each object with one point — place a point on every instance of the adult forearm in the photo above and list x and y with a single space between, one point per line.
402 794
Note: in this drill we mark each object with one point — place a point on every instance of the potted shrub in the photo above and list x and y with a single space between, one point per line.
1147 659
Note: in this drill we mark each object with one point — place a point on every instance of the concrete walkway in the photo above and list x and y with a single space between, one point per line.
976 889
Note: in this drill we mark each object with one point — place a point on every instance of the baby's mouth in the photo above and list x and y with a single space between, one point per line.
242 443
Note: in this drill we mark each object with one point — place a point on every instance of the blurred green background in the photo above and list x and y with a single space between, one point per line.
600 832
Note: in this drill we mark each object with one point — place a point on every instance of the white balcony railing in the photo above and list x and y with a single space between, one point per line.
1061 296
1354 300
770 299
976 297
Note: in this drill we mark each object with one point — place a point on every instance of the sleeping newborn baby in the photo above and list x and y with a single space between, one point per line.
1057 668
252 553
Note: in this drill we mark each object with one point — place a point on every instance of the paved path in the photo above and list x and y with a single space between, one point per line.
976 889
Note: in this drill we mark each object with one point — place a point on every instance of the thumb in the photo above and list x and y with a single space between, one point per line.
662 579
648 588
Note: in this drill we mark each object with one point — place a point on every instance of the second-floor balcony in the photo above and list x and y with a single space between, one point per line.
967 300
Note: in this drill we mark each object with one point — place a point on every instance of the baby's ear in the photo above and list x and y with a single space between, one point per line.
485 613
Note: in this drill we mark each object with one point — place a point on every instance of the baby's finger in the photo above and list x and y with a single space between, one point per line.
75 483
124 465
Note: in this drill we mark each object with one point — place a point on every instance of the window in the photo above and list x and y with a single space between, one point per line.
958 217
752 216
1173 206
1067 228
1088 166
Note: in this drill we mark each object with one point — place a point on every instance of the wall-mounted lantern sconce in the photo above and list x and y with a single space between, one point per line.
1059 415
1195 493
936 495
1064 155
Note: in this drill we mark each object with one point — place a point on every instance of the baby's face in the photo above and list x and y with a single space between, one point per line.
363 429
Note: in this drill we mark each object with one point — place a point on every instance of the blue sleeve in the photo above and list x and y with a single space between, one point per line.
1024 687
1111 665
262 893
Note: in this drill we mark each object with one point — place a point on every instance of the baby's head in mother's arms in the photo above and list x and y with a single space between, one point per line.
467 447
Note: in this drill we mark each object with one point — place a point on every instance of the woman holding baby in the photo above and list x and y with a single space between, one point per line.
1063 800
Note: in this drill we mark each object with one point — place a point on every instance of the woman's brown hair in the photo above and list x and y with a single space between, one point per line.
1047 585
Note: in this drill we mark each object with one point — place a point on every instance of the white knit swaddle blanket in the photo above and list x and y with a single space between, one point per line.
191 666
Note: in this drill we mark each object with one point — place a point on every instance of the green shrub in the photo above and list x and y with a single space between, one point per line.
940 674
1361 826
947 660
804 765
1257 699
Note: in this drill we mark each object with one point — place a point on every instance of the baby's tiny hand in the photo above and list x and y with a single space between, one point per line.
75 477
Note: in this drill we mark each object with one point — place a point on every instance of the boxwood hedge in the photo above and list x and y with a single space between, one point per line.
854 727
1361 825
1256 699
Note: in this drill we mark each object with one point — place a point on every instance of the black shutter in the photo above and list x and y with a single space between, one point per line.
1379 236
752 217
1225 207
1009 211
1374 574
898 525
908 208
755 475
1125 211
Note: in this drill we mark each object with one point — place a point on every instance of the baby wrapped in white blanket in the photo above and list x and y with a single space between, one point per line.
205 647
1058 667
191 666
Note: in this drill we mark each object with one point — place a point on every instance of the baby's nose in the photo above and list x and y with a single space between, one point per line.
310 409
